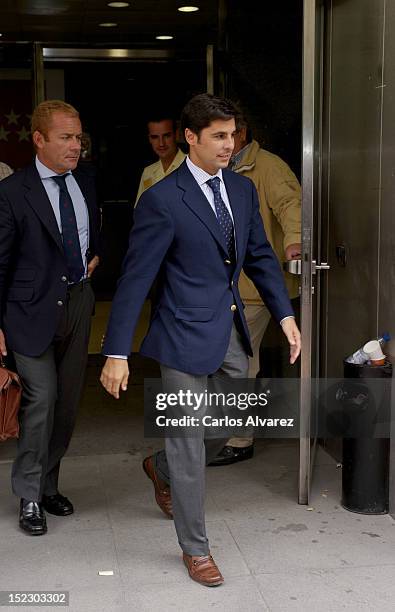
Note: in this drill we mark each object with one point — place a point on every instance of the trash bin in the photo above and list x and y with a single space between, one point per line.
365 473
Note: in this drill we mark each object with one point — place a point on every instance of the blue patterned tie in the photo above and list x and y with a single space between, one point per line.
223 216
71 241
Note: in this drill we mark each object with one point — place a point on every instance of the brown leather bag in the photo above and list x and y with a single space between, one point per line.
10 401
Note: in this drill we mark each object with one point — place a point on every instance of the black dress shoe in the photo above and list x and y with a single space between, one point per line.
233 454
57 504
32 517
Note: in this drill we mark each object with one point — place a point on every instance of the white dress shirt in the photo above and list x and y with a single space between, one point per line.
201 177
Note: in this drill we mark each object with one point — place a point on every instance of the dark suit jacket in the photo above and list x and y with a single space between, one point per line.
175 229
32 263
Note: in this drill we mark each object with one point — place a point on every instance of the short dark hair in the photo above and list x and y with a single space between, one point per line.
158 117
204 108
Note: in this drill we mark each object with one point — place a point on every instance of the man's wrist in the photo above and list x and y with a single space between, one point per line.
285 318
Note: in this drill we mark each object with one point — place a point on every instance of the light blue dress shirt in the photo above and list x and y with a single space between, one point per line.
80 207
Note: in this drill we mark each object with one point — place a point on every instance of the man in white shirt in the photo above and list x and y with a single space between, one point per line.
162 135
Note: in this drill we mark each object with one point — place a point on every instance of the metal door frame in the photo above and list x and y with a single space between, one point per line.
311 186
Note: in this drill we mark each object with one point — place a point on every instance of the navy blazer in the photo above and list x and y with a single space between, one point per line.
33 271
177 233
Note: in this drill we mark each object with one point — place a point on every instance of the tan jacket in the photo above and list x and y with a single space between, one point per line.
280 206
154 173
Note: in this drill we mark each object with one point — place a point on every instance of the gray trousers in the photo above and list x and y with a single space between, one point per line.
52 386
257 317
182 464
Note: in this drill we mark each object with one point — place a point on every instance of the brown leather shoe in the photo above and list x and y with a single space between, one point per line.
162 490
203 570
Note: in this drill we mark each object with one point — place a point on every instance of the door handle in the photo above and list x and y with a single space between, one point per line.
322 266
293 266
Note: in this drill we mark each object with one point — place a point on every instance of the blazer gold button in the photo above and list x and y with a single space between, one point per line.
60 303
231 283
227 261
64 278
233 307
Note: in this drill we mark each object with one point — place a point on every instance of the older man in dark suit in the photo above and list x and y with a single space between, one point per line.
49 227
200 225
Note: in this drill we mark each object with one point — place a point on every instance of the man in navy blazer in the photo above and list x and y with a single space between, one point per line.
199 227
49 231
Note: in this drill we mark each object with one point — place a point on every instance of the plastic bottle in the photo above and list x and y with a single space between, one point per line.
361 357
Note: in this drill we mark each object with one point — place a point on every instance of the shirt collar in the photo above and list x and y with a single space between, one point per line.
200 175
236 159
179 156
46 172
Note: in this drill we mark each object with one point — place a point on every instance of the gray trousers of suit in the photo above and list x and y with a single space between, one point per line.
183 462
52 387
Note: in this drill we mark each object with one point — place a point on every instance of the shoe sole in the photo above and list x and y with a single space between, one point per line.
33 533
207 584
229 461
169 516
57 513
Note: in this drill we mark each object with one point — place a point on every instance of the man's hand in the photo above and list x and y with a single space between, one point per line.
115 375
292 332
293 251
94 262
3 348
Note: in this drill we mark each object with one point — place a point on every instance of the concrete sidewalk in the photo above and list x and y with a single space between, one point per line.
274 554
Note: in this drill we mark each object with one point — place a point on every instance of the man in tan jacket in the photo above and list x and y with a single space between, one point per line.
280 206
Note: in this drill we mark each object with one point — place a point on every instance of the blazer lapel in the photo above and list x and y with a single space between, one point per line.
195 199
39 201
